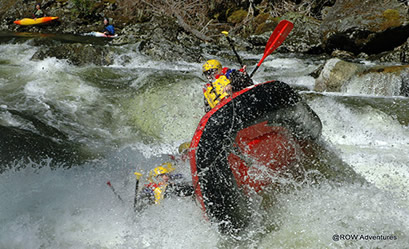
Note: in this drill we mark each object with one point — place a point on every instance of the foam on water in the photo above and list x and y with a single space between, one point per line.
131 58
375 84
311 216
371 141
293 71
72 207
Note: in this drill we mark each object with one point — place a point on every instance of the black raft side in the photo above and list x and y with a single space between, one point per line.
225 204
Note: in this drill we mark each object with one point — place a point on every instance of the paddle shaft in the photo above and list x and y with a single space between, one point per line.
277 37
234 51
135 201
115 193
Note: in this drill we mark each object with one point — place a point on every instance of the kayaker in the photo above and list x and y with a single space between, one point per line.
162 184
108 28
39 12
222 82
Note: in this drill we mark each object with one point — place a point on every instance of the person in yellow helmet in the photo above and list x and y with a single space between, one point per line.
222 82
184 151
162 184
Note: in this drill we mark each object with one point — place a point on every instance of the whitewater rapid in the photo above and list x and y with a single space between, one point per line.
124 118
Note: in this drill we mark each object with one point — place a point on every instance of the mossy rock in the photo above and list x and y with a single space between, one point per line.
268 25
237 16
264 27
391 18
261 18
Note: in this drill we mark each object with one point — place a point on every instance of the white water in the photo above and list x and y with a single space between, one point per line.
74 208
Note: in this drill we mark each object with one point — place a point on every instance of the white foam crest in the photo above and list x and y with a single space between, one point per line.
293 71
311 216
7 119
369 140
69 93
360 127
284 63
375 84
300 81
135 60
59 208
74 208
176 223
387 170
16 53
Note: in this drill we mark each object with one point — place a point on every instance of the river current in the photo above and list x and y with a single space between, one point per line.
101 123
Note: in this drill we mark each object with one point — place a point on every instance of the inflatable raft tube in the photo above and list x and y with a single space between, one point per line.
257 120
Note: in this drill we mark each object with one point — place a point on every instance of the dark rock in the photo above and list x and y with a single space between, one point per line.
163 39
305 36
371 26
399 54
77 54
342 54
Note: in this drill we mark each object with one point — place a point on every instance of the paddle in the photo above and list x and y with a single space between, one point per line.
277 37
138 176
115 193
232 47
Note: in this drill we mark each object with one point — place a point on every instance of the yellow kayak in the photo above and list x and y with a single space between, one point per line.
30 21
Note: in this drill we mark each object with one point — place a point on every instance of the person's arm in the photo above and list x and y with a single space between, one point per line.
109 30
240 79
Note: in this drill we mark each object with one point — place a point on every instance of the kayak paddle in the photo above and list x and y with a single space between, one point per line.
277 37
232 47
115 193
138 176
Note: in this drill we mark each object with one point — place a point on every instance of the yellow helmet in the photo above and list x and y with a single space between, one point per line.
212 64
164 168
183 147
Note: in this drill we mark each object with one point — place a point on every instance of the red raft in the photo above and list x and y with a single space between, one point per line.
266 124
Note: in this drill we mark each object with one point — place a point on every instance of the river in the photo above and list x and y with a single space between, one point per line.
101 123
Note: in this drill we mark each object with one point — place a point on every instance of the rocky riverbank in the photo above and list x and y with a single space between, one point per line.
171 30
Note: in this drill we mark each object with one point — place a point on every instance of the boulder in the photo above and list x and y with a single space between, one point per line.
77 53
305 36
355 78
369 26
335 74
399 54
